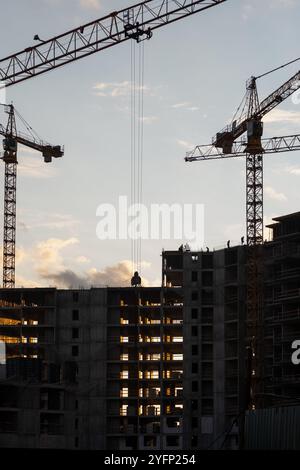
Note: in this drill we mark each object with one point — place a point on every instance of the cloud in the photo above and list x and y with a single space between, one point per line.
47 263
118 275
281 115
22 282
31 167
149 119
273 194
82 259
247 11
90 4
116 89
56 221
186 105
293 170
47 255
185 144
22 226
52 221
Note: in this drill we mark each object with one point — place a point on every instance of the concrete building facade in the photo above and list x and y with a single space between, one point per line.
282 311
157 368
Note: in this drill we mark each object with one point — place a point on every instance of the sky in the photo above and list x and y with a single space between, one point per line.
195 75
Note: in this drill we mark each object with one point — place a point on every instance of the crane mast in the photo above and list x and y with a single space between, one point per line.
10 145
10 190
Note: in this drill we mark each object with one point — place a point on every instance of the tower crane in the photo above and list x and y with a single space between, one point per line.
135 22
10 145
224 145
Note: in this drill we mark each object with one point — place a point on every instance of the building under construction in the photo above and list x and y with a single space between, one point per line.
150 368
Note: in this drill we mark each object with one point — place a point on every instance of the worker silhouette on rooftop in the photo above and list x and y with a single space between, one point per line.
136 280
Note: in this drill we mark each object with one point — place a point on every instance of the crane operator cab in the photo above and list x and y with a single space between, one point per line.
10 144
10 147
254 135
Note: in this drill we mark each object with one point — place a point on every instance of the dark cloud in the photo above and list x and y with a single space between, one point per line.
118 275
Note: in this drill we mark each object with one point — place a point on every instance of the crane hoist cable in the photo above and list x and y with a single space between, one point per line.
140 137
137 145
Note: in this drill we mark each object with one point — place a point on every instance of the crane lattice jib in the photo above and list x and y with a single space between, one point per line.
135 22
269 146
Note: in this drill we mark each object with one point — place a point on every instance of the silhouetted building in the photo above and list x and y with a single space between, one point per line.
148 368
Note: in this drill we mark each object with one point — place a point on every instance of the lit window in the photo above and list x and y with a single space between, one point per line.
155 339
153 410
123 410
124 357
178 406
124 374
33 340
151 374
177 339
155 357
124 393
123 321
124 339
174 374
177 357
